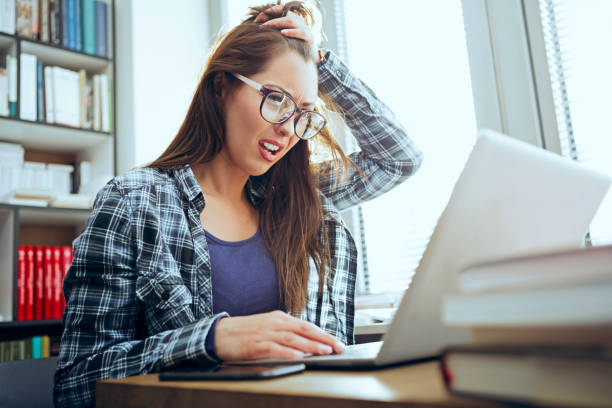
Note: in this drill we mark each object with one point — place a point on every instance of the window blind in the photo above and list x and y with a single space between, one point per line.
577 35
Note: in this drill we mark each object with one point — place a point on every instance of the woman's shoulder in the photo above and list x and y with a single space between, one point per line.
140 185
142 178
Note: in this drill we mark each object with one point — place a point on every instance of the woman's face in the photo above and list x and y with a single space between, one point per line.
247 132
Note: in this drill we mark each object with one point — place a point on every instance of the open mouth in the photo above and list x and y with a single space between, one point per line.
269 151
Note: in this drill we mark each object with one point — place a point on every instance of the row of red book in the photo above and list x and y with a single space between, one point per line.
41 273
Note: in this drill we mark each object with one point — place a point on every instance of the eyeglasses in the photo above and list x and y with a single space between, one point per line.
278 107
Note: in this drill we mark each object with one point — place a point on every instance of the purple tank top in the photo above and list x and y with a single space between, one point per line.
243 279
243 276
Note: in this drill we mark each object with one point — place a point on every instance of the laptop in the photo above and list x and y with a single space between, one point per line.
511 199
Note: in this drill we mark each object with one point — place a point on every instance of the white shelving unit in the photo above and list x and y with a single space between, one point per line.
51 143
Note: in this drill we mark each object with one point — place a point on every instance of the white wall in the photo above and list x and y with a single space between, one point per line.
161 49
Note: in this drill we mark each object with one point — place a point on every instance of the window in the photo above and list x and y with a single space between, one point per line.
577 35
416 63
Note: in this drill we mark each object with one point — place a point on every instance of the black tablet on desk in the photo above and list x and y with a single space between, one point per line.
228 372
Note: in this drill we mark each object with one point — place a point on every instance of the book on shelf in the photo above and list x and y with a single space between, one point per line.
39 281
101 28
11 66
55 22
24 14
4 88
27 90
562 375
88 21
65 28
34 347
44 21
7 16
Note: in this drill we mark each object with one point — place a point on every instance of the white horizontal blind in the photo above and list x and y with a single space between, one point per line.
577 35
413 54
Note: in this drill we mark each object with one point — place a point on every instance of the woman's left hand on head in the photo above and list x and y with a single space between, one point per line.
292 25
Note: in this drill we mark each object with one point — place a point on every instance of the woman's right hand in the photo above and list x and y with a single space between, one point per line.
271 335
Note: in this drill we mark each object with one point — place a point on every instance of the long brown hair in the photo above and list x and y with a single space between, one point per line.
291 215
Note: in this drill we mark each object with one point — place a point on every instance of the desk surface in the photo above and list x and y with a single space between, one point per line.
408 385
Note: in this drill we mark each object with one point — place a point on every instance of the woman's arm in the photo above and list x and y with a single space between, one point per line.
101 338
387 157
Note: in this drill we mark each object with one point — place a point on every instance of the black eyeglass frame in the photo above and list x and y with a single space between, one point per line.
265 91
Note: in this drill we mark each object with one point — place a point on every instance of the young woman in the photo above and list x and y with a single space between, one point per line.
233 219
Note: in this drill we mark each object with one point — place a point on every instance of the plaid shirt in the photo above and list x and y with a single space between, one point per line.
138 293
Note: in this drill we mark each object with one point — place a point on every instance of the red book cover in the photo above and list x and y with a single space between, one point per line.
39 282
48 296
67 260
29 281
57 282
21 283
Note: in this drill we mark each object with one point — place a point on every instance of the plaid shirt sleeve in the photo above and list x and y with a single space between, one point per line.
101 338
387 157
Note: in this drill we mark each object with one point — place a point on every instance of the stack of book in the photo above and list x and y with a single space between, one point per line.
34 347
542 329
40 275
60 96
80 25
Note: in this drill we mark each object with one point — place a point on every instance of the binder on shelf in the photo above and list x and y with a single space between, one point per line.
35 20
40 95
64 13
72 41
39 281
7 16
55 22
48 297
101 28
89 26
78 22
21 284
27 91
25 23
11 68
29 284
44 21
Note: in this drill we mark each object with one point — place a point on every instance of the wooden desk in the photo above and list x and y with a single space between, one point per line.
417 385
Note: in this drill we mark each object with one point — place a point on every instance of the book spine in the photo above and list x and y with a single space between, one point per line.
49 95
78 22
44 20
55 22
89 26
39 282
7 16
12 72
40 92
36 347
21 284
64 11
45 347
29 279
67 261
82 97
96 103
48 298
24 18
35 20
72 24
27 89
105 103
101 29
57 282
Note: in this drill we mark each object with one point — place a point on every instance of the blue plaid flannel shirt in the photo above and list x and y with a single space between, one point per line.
138 293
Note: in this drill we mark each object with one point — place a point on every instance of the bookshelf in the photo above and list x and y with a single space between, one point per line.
23 225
